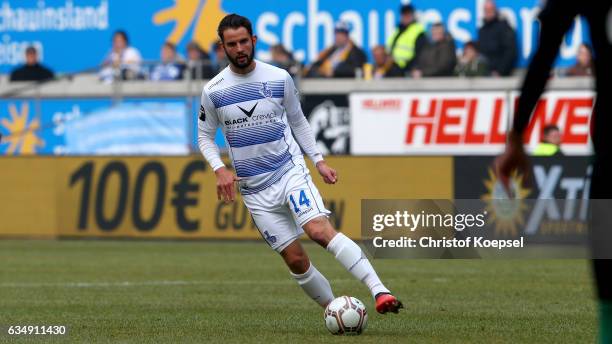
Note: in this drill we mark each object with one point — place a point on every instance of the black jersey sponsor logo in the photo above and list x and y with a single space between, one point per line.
237 121
250 112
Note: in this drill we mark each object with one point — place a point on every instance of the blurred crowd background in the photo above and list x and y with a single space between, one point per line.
385 78
412 51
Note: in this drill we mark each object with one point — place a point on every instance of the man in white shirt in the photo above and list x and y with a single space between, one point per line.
123 59
258 109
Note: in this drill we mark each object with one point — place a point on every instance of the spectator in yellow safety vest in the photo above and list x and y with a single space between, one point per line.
551 142
408 40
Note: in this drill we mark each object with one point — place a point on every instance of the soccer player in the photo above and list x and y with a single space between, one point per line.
257 107
556 18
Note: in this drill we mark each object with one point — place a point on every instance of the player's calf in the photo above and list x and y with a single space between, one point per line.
296 258
306 274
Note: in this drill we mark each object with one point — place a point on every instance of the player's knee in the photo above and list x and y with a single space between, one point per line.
320 231
318 236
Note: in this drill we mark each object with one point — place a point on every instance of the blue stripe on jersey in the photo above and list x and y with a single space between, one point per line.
263 164
247 92
275 177
255 135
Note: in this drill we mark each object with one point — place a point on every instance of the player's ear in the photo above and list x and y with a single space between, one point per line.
254 38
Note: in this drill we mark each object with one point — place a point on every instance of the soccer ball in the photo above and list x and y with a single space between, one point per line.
346 315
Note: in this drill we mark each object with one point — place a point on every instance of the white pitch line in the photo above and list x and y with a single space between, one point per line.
149 283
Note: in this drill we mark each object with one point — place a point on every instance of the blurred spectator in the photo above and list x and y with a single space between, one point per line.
220 59
551 142
32 70
123 61
497 41
438 56
170 67
584 62
199 63
341 59
282 58
408 39
384 66
471 63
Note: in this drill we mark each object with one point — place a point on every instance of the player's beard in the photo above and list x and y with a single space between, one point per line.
245 57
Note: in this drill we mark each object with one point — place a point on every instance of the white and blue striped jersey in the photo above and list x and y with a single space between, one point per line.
259 114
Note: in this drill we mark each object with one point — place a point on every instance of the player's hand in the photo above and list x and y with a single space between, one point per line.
329 174
225 184
513 158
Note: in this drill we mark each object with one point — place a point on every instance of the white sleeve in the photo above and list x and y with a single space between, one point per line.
208 122
132 55
297 121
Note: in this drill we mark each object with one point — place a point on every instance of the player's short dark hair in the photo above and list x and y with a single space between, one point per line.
549 128
234 21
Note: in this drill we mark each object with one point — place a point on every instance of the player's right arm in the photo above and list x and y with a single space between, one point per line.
208 122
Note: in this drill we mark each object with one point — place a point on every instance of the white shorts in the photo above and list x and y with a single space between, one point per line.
280 211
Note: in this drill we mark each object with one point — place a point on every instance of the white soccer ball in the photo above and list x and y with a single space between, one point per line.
346 315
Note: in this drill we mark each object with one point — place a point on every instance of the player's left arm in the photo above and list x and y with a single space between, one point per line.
303 133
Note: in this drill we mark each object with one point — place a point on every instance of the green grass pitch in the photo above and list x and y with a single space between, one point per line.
241 292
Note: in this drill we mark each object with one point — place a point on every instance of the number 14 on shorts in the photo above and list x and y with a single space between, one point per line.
302 203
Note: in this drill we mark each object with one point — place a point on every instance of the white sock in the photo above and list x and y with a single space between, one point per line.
315 285
349 254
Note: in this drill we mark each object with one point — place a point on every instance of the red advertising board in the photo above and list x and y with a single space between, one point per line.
461 123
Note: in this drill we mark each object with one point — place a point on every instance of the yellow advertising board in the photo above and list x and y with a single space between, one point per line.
175 197
28 198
